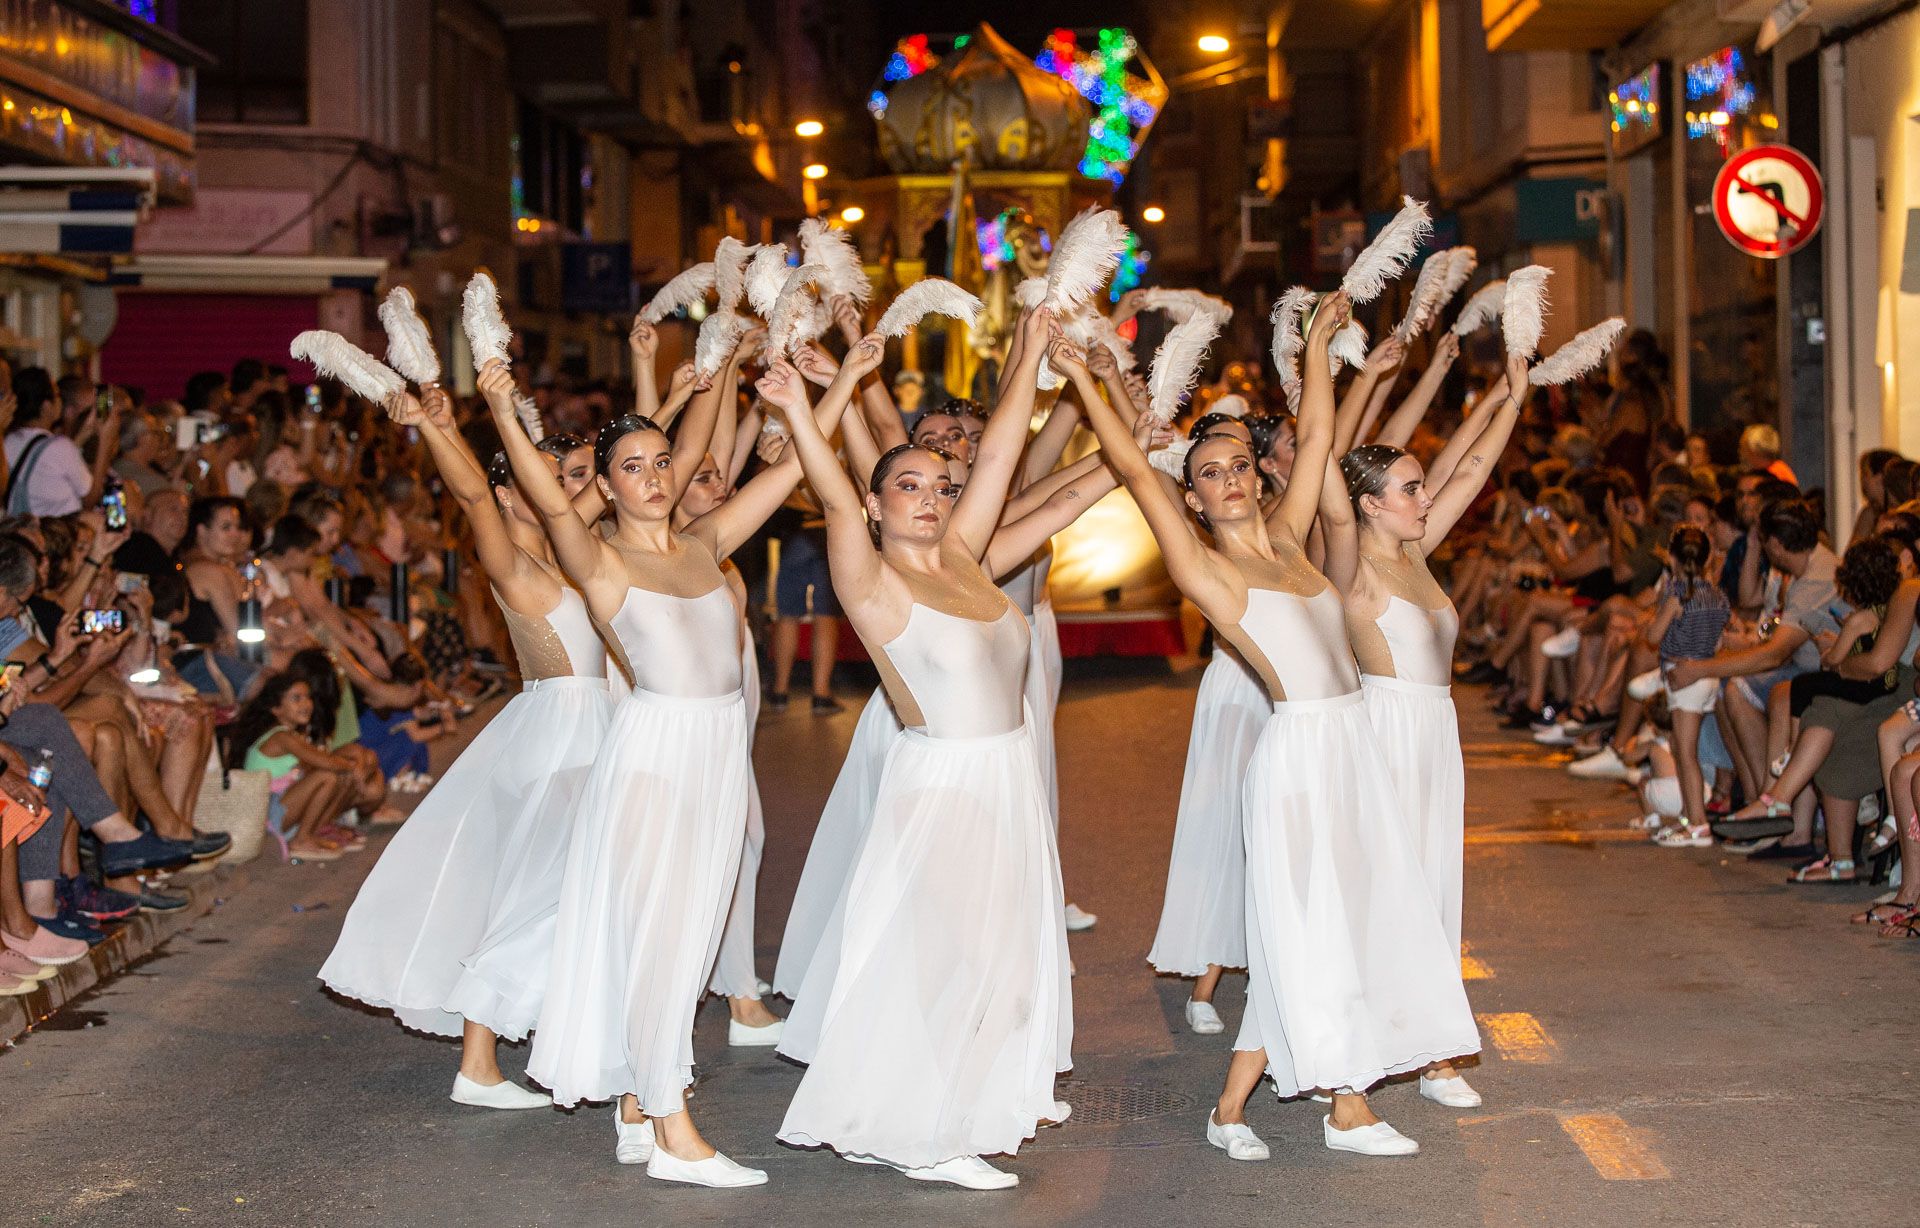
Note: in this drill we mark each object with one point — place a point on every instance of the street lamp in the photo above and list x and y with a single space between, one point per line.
852 214
1153 215
815 170
809 127
1215 44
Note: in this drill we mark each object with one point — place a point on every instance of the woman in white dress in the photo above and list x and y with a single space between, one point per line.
1047 506
1403 626
934 1027
453 928
659 829
1350 978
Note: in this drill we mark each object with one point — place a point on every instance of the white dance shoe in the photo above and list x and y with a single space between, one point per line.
1079 919
1238 1141
715 1172
1378 1139
503 1095
1203 1020
635 1139
967 1172
1455 1093
740 1036
1061 1111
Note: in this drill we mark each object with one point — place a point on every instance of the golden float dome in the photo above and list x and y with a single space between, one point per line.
988 104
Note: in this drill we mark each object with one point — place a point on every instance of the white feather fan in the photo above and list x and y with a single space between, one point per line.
409 346
335 357
680 293
1425 302
1482 309
1085 256
1348 347
1464 260
719 334
1233 405
1030 293
1180 304
928 296
1288 336
1172 459
767 275
1176 366
1390 252
793 310
1523 311
1586 351
529 415
730 271
488 336
832 249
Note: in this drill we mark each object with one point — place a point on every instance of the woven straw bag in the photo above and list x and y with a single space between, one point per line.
235 802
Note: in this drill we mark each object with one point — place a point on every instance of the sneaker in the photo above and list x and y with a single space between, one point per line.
207 845
1563 734
1681 836
152 899
1079 919
96 903
827 705
1649 822
1562 645
1607 765
49 944
1644 686
144 852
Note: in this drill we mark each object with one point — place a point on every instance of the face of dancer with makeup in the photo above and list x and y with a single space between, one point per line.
912 498
945 432
1278 462
638 479
576 470
1224 486
1400 507
707 491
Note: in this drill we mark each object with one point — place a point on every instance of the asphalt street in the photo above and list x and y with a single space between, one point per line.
1673 1037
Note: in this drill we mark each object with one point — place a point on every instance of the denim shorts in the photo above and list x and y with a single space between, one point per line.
803 586
1756 687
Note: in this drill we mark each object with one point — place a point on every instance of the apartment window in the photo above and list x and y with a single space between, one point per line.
261 77
551 173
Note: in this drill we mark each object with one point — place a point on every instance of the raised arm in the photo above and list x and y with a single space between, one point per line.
582 555
696 433
1338 531
862 452
1049 443
740 517
1470 428
1033 496
1313 425
1188 561
998 455
1367 392
644 344
854 562
1016 539
681 386
1464 484
1406 418
465 480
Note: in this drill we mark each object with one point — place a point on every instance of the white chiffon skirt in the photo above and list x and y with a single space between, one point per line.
1350 977
650 874
734 975
1419 733
836 842
939 1010
1043 697
1203 919
474 874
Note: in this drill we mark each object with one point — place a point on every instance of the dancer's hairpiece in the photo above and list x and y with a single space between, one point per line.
612 433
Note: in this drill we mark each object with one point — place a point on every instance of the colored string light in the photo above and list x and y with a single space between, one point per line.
1133 267
1125 104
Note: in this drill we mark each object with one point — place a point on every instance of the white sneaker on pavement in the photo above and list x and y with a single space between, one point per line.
633 1140
1238 1141
1203 1020
505 1094
1607 765
1078 919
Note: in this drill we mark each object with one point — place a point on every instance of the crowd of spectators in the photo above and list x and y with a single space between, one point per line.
257 577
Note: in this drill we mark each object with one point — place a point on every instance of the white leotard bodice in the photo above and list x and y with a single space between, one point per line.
1305 641
1420 639
685 647
967 677
562 644
1027 587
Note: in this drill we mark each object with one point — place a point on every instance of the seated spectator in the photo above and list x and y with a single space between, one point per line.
50 476
1760 452
280 733
218 542
401 733
148 458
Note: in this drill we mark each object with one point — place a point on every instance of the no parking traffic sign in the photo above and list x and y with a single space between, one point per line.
1768 200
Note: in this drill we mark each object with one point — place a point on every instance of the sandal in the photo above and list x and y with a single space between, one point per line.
1768 808
1903 927
1883 914
1824 870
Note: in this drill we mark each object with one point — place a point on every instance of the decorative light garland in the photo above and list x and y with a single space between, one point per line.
1125 104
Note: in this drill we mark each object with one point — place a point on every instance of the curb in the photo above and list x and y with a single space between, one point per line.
129 942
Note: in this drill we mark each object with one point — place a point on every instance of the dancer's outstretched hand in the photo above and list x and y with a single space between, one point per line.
1446 350
1336 311
815 363
1101 362
1517 370
1387 356
437 405
864 358
1152 434
846 315
1066 357
644 340
781 388
496 385
404 408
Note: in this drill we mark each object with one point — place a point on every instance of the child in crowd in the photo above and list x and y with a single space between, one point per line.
1693 612
312 787
1652 769
400 731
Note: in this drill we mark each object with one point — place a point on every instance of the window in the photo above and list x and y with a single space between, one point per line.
261 77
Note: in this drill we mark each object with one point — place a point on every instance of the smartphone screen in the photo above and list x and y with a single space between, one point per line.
7 676
103 403
114 503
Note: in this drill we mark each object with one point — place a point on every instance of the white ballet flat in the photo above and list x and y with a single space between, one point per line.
740 1036
762 988
503 1095
634 1143
968 1172
1238 1141
1378 1139
1455 1093
1061 1111
1079 919
1203 1020
715 1172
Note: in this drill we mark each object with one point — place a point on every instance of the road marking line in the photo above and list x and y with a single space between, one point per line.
1614 1150
1472 968
1519 1037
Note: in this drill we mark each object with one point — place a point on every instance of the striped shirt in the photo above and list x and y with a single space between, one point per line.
1694 634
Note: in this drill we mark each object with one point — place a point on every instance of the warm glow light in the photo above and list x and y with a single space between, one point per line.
251 635
809 127
1153 214
815 170
852 214
1214 44
144 677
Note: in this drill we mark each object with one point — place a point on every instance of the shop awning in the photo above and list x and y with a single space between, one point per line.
251 274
